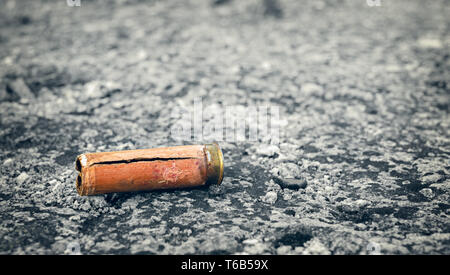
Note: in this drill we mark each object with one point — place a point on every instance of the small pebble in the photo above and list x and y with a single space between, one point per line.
270 198
250 241
427 192
430 43
431 178
245 183
7 162
311 88
22 178
268 150
293 184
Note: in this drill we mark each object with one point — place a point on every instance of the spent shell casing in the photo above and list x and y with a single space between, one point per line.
149 169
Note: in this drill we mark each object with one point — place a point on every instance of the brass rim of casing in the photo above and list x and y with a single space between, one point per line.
215 164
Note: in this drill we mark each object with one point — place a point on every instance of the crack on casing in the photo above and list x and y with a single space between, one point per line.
138 160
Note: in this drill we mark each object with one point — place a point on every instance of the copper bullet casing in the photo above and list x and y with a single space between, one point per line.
149 169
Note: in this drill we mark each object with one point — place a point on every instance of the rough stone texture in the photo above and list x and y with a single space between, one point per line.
363 91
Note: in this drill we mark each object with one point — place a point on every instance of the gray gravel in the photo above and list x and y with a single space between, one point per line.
363 92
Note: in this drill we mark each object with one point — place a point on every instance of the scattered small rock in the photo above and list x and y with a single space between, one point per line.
7 162
56 184
272 186
287 170
250 241
445 186
86 206
293 184
350 206
431 178
245 183
427 192
287 196
284 250
430 43
270 198
267 150
22 178
315 247
311 88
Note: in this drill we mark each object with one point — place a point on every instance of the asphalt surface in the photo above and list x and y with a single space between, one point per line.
363 95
